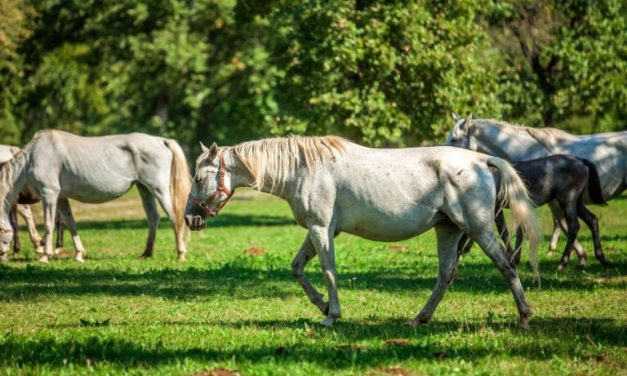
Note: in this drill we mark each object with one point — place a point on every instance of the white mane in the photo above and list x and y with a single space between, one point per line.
274 159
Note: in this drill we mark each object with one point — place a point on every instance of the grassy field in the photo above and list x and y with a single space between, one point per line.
242 311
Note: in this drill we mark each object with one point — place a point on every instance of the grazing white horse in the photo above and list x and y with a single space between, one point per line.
608 152
58 166
7 152
334 186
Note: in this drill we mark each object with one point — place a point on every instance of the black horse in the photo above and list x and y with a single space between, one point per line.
562 179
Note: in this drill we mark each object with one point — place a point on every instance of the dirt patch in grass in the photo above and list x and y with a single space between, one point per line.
254 251
398 248
217 372
397 342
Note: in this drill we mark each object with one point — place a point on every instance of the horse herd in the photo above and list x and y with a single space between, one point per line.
333 185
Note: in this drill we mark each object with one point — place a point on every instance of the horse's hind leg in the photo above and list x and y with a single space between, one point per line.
486 239
501 226
152 214
66 213
572 224
559 217
59 226
555 236
13 222
49 202
448 236
592 222
307 252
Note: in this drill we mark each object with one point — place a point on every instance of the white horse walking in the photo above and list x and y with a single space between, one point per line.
58 166
334 186
608 152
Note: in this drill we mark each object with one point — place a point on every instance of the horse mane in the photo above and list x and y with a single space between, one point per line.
548 137
274 159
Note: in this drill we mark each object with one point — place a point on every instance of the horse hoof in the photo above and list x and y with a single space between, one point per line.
583 262
145 255
328 322
417 321
40 250
57 250
560 267
4 259
524 323
79 258
44 259
182 256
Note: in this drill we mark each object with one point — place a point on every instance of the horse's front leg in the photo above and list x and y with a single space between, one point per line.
305 254
322 239
49 202
27 214
559 218
13 222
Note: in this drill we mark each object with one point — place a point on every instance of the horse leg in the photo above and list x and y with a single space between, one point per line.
464 246
307 252
59 226
165 200
65 212
486 239
572 229
25 212
518 245
49 203
560 218
448 236
152 214
592 222
501 226
322 240
555 236
13 223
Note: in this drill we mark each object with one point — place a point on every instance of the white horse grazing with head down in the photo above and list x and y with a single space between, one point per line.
607 151
57 166
7 152
334 186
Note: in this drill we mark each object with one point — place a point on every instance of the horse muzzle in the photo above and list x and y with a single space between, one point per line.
195 222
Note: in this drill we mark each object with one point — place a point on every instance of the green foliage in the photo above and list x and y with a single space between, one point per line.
381 73
563 59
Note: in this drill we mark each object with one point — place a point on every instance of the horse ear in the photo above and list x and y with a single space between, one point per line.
203 147
213 151
467 123
456 117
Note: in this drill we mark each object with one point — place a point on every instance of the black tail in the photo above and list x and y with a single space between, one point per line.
594 183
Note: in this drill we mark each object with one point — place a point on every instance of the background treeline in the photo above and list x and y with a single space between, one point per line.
378 72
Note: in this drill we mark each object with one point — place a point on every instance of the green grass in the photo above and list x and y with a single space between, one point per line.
222 308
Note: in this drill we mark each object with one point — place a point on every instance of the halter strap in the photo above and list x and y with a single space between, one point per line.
220 189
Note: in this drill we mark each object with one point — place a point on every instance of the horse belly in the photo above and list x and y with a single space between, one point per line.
390 227
94 190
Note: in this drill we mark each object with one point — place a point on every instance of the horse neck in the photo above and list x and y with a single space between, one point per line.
13 179
502 141
241 177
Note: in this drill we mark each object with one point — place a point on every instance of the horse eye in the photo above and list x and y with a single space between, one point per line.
197 179
454 139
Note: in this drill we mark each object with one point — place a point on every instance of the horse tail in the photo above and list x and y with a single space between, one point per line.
594 183
513 193
180 185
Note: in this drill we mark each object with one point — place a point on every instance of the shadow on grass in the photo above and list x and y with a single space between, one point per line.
244 279
346 351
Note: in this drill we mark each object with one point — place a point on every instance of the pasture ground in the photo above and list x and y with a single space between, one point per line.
242 311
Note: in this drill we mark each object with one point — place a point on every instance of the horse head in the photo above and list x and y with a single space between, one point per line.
460 134
211 188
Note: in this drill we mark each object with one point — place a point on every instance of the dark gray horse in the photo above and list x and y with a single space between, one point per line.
562 178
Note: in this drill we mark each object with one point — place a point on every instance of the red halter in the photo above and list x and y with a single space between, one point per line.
220 189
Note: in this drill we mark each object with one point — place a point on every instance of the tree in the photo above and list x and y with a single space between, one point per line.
380 73
563 58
